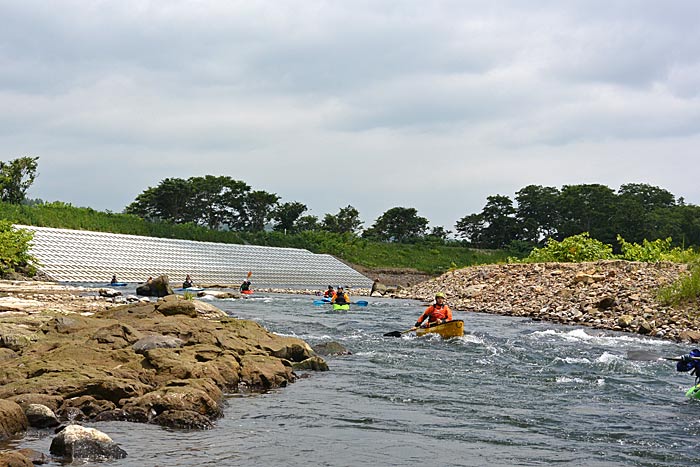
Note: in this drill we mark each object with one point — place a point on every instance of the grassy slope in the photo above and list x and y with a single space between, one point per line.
430 258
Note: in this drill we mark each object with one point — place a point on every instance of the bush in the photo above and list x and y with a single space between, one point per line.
657 250
574 249
14 250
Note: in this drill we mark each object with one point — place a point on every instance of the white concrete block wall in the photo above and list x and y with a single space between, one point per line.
84 256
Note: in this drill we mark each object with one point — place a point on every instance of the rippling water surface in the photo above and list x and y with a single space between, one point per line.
510 392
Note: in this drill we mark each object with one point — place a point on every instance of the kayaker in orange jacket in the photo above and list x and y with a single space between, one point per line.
437 313
340 297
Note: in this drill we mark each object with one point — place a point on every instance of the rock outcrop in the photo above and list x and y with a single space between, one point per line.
157 362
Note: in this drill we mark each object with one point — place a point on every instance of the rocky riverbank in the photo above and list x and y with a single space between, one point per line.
167 362
614 295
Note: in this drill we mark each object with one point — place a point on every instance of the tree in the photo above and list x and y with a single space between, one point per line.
439 232
287 215
305 223
537 213
471 229
588 208
346 221
217 201
169 201
650 197
16 177
258 208
398 225
499 216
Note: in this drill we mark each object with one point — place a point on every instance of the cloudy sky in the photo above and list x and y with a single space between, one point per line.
427 104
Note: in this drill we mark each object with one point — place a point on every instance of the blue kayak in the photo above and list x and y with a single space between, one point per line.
117 284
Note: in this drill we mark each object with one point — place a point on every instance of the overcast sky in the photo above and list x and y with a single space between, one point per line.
433 105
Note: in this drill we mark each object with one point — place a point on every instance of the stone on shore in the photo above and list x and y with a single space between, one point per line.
12 419
79 442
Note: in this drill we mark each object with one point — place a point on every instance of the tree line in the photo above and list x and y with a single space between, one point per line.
635 212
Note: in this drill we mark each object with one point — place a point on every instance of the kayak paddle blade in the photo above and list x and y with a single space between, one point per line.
361 303
393 334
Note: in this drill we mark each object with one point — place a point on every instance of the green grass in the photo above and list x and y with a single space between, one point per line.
685 290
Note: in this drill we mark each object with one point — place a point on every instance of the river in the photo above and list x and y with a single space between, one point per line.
510 392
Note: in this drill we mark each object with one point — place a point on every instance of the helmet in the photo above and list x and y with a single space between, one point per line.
439 294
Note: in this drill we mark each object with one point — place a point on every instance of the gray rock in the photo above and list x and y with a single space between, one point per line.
40 416
78 442
156 342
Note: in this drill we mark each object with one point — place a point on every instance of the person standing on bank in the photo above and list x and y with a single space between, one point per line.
437 313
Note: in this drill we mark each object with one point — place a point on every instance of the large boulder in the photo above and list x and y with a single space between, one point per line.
12 419
378 288
158 287
78 442
40 416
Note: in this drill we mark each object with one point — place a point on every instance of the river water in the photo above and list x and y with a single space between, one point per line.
510 392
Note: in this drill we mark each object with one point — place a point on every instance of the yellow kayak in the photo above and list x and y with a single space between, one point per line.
454 328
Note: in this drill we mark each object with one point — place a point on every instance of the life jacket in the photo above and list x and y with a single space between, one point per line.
436 312
245 286
693 365
341 299
329 293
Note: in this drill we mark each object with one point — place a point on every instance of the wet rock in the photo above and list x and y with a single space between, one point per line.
40 416
331 349
36 457
78 442
182 419
313 364
218 294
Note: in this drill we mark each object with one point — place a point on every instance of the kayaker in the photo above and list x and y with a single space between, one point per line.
437 313
188 282
329 293
340 297
689 363
114 279
245 286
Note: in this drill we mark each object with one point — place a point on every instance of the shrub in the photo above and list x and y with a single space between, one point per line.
657 250
576 248
14 250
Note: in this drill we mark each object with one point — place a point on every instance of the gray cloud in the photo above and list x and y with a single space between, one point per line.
433 105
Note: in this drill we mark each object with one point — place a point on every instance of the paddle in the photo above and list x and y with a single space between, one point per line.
399 333
648 356
360 303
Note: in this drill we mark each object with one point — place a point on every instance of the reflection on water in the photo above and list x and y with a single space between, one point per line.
510 392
